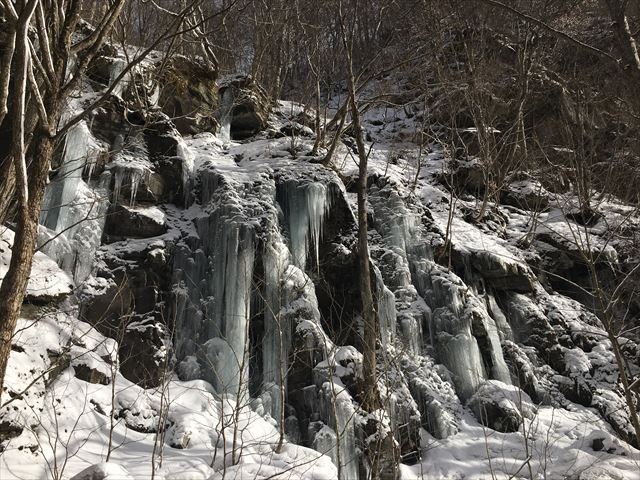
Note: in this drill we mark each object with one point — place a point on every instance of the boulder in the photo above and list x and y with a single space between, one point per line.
142 350
90 374
295 129
129 222
189 94
100 68
9 430
574 389
586 216
103 471
525 192
465 176
501 407
250 106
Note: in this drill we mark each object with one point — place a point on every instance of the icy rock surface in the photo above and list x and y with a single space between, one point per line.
221 327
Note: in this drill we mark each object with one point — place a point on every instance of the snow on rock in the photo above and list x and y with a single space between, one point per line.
501 407
47 282
103 471
135 222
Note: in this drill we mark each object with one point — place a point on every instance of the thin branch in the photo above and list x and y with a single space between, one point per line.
551 29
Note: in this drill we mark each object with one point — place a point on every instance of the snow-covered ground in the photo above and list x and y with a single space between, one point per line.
73 424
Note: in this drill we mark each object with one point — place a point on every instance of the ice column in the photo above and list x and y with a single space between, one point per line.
61 194
117 67
305 207
228 316
386 306
73 210
339 411
277 329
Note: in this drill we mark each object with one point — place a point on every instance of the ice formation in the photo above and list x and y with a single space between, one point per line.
277 326
117 67
305 207
225 114
131 170
73 210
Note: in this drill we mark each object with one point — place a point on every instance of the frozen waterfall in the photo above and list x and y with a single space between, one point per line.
72 211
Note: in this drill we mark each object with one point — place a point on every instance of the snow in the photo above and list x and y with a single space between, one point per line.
47 279
72 421
559 442
153 213
103 471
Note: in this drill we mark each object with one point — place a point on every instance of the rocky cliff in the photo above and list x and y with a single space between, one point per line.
206 307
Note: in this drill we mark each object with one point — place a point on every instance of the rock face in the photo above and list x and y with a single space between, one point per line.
244 106
189 95
235 265
127 222
125 301
267 259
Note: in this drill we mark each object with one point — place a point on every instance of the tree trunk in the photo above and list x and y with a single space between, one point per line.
14 285
7 189
382 453
371 398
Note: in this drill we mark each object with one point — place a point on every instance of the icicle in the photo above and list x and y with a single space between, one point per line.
79 146
317 207
187 169
337 409
461 355
130 169
215 272
232 271
305 207
72 209
386 306
87 234
117 186
136 177
325 441
411 333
